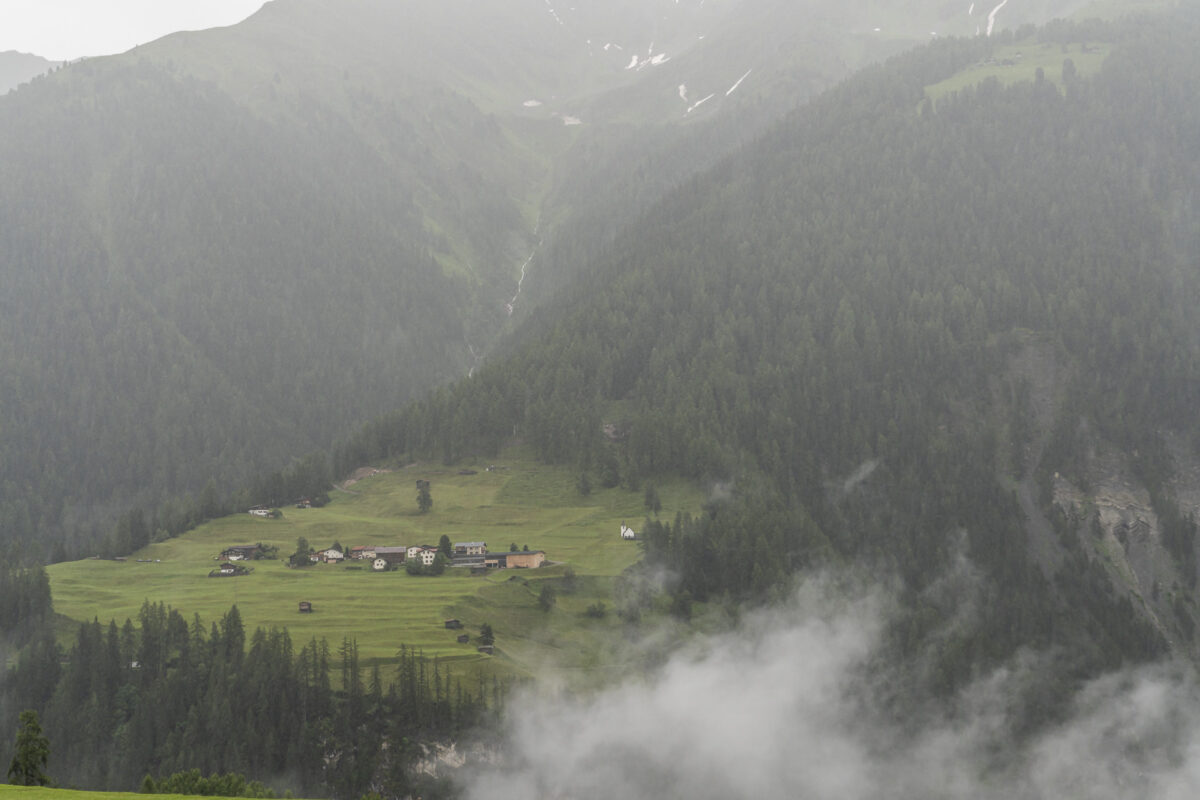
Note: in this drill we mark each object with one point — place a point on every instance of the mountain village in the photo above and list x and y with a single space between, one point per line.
469 555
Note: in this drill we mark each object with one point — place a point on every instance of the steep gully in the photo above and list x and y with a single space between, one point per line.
477 356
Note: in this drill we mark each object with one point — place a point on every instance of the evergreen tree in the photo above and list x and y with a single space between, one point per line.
651 500
547 597
32 753
300 558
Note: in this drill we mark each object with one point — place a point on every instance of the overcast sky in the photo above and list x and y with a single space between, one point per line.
68 29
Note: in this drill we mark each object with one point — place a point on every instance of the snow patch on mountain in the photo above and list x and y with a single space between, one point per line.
699 103
739 82
683 92
651 60
992 16
554 14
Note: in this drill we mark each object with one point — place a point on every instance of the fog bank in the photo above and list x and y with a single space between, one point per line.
780 708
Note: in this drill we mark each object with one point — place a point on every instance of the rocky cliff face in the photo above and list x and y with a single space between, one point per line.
1115 522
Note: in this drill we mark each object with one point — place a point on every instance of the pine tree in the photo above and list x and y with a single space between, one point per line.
548 597
32 753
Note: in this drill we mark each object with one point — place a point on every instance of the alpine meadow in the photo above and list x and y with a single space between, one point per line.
641 398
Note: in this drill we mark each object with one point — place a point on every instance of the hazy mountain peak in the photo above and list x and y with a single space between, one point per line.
17 68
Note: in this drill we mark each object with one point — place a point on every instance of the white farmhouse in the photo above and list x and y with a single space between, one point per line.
627 532
423 552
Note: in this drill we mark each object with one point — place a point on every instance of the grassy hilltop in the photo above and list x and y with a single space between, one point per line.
520 501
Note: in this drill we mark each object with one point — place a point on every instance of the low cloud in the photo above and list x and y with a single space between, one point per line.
782 708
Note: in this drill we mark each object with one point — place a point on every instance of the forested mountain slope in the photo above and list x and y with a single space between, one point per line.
225 248
900 334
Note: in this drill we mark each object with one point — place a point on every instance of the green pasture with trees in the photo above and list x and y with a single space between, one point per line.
519 502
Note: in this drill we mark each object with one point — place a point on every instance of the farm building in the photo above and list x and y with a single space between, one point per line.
467 561
379 564
330 556
470 548
228 570
305 607
452 624
393 555
239 552
529 559
260 511
361 552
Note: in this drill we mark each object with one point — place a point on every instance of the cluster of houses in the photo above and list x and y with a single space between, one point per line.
473 555
463 554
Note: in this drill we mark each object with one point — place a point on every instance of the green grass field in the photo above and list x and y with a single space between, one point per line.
1026 58
522 502
42 793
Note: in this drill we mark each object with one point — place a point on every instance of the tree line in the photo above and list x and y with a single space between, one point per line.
164 696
